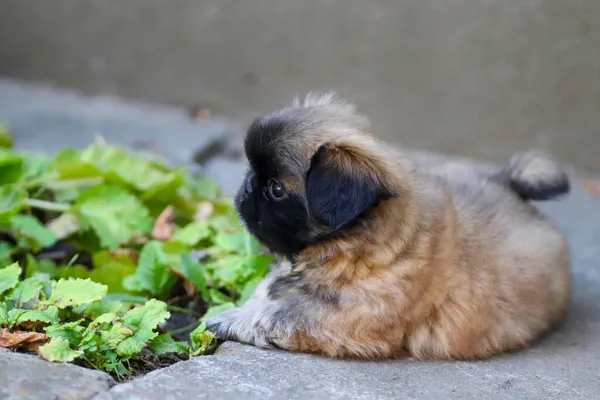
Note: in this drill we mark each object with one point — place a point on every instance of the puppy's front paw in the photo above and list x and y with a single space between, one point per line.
223 324
240 325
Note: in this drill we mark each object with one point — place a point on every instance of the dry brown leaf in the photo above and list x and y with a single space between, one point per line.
204 211
16 339
189 287
165 225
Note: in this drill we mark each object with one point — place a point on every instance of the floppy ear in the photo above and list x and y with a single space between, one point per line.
339 188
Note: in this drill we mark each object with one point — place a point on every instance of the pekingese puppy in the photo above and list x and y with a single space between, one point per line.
390 258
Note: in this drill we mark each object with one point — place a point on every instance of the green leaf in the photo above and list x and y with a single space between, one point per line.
48 316
75 292
3 315
12 199
126 168
165 344
26 290
194 273
136 343
239 242
201 339
192 233
11 167
117 334
204 187
9 277
114 214
148 316
216 297
110 268
59 350
153 272
71 331
29 226
6 139
40 267
5 253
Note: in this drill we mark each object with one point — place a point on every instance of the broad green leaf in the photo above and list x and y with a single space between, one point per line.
153 272
29 226
229 222
5 253
105 318
12 199
192 233
26 290
6 139
126 168
148 316
142 320
75 169
126 298
116 334
59 350
132 283
9 277
75 292
11 167
40 267
110 268
194 273
3 315
204 187
165 344
97 308
216 297
114 214
48 316
136 343
35 167
239 242
71 331
201 339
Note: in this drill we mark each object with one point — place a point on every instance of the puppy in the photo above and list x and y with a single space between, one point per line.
389 258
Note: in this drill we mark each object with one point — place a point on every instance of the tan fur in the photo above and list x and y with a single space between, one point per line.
452 267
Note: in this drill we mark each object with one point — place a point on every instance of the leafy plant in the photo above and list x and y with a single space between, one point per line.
107 256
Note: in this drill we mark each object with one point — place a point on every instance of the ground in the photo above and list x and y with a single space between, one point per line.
563 365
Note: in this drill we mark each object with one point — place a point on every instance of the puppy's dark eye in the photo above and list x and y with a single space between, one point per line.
275 190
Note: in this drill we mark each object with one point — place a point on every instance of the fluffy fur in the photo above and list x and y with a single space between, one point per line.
389 258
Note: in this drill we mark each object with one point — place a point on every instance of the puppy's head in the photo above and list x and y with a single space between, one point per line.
315 173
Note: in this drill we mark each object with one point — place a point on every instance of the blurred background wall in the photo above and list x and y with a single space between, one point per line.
479 78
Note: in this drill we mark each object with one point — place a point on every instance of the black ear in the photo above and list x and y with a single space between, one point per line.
336 192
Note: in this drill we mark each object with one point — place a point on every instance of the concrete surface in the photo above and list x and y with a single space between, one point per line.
564 365
26 377
477 78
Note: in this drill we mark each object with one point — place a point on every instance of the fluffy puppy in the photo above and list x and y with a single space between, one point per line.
389 258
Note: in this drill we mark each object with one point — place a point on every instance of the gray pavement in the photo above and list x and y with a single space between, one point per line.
564 365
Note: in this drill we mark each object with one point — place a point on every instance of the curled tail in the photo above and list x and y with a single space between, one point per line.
534 175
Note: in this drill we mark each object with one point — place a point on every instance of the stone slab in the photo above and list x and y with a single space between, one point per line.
28 377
